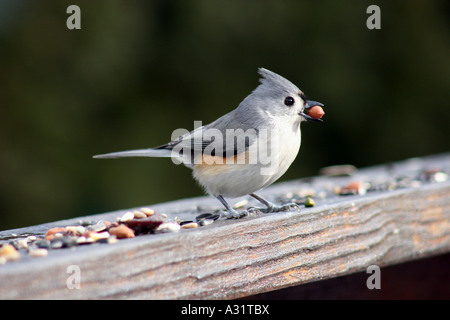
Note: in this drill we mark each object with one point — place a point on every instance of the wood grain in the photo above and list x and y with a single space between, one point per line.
237 258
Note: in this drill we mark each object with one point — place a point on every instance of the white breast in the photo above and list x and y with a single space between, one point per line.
261 168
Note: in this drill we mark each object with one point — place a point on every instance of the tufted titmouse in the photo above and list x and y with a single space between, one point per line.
245 150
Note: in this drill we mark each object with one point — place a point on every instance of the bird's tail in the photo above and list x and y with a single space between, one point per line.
136 153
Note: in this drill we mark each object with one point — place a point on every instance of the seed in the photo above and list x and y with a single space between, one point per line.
207 216
85 240
99 226
316 112
169 226
309 202
75 230
215 217
434 175
205 222
63 242
240 204
139 214
126 217
112 239
189 225
42 244
38 253
122 232
85 223
148 211
145 225
354 187
51 232
99 235
203 216
22 244
440 177
9 253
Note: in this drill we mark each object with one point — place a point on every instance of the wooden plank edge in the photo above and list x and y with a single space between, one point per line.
246 257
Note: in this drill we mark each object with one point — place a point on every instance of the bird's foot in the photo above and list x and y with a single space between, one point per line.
271 207
284 207
234 214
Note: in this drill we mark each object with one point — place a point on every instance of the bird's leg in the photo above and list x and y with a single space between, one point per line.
230 212
271 207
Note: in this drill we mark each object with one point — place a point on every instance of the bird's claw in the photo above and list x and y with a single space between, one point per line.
285 207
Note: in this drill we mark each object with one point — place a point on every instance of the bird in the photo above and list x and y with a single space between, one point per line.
246 149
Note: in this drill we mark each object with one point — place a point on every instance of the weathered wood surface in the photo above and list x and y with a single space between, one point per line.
236 258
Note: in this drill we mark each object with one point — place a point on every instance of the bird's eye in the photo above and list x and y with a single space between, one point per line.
289 101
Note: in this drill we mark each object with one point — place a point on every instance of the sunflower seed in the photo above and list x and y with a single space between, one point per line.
189 225
205 222
169 226
203 216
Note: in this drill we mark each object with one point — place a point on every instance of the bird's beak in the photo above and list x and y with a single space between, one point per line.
309 105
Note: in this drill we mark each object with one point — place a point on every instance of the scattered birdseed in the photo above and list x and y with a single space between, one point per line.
22 244
354 187
189 225
139 214
75 230
112 239
211 216
9 253
145 225
214 217
42 244
51 232
434 175
122 232
98 226
128 216
309 202
99 235
240 204
205 222
38 253
169 226
63 242
85 240
148 211
203 216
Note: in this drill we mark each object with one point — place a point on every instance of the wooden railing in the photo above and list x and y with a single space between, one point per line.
400 213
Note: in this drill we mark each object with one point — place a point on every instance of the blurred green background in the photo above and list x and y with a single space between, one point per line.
137 70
